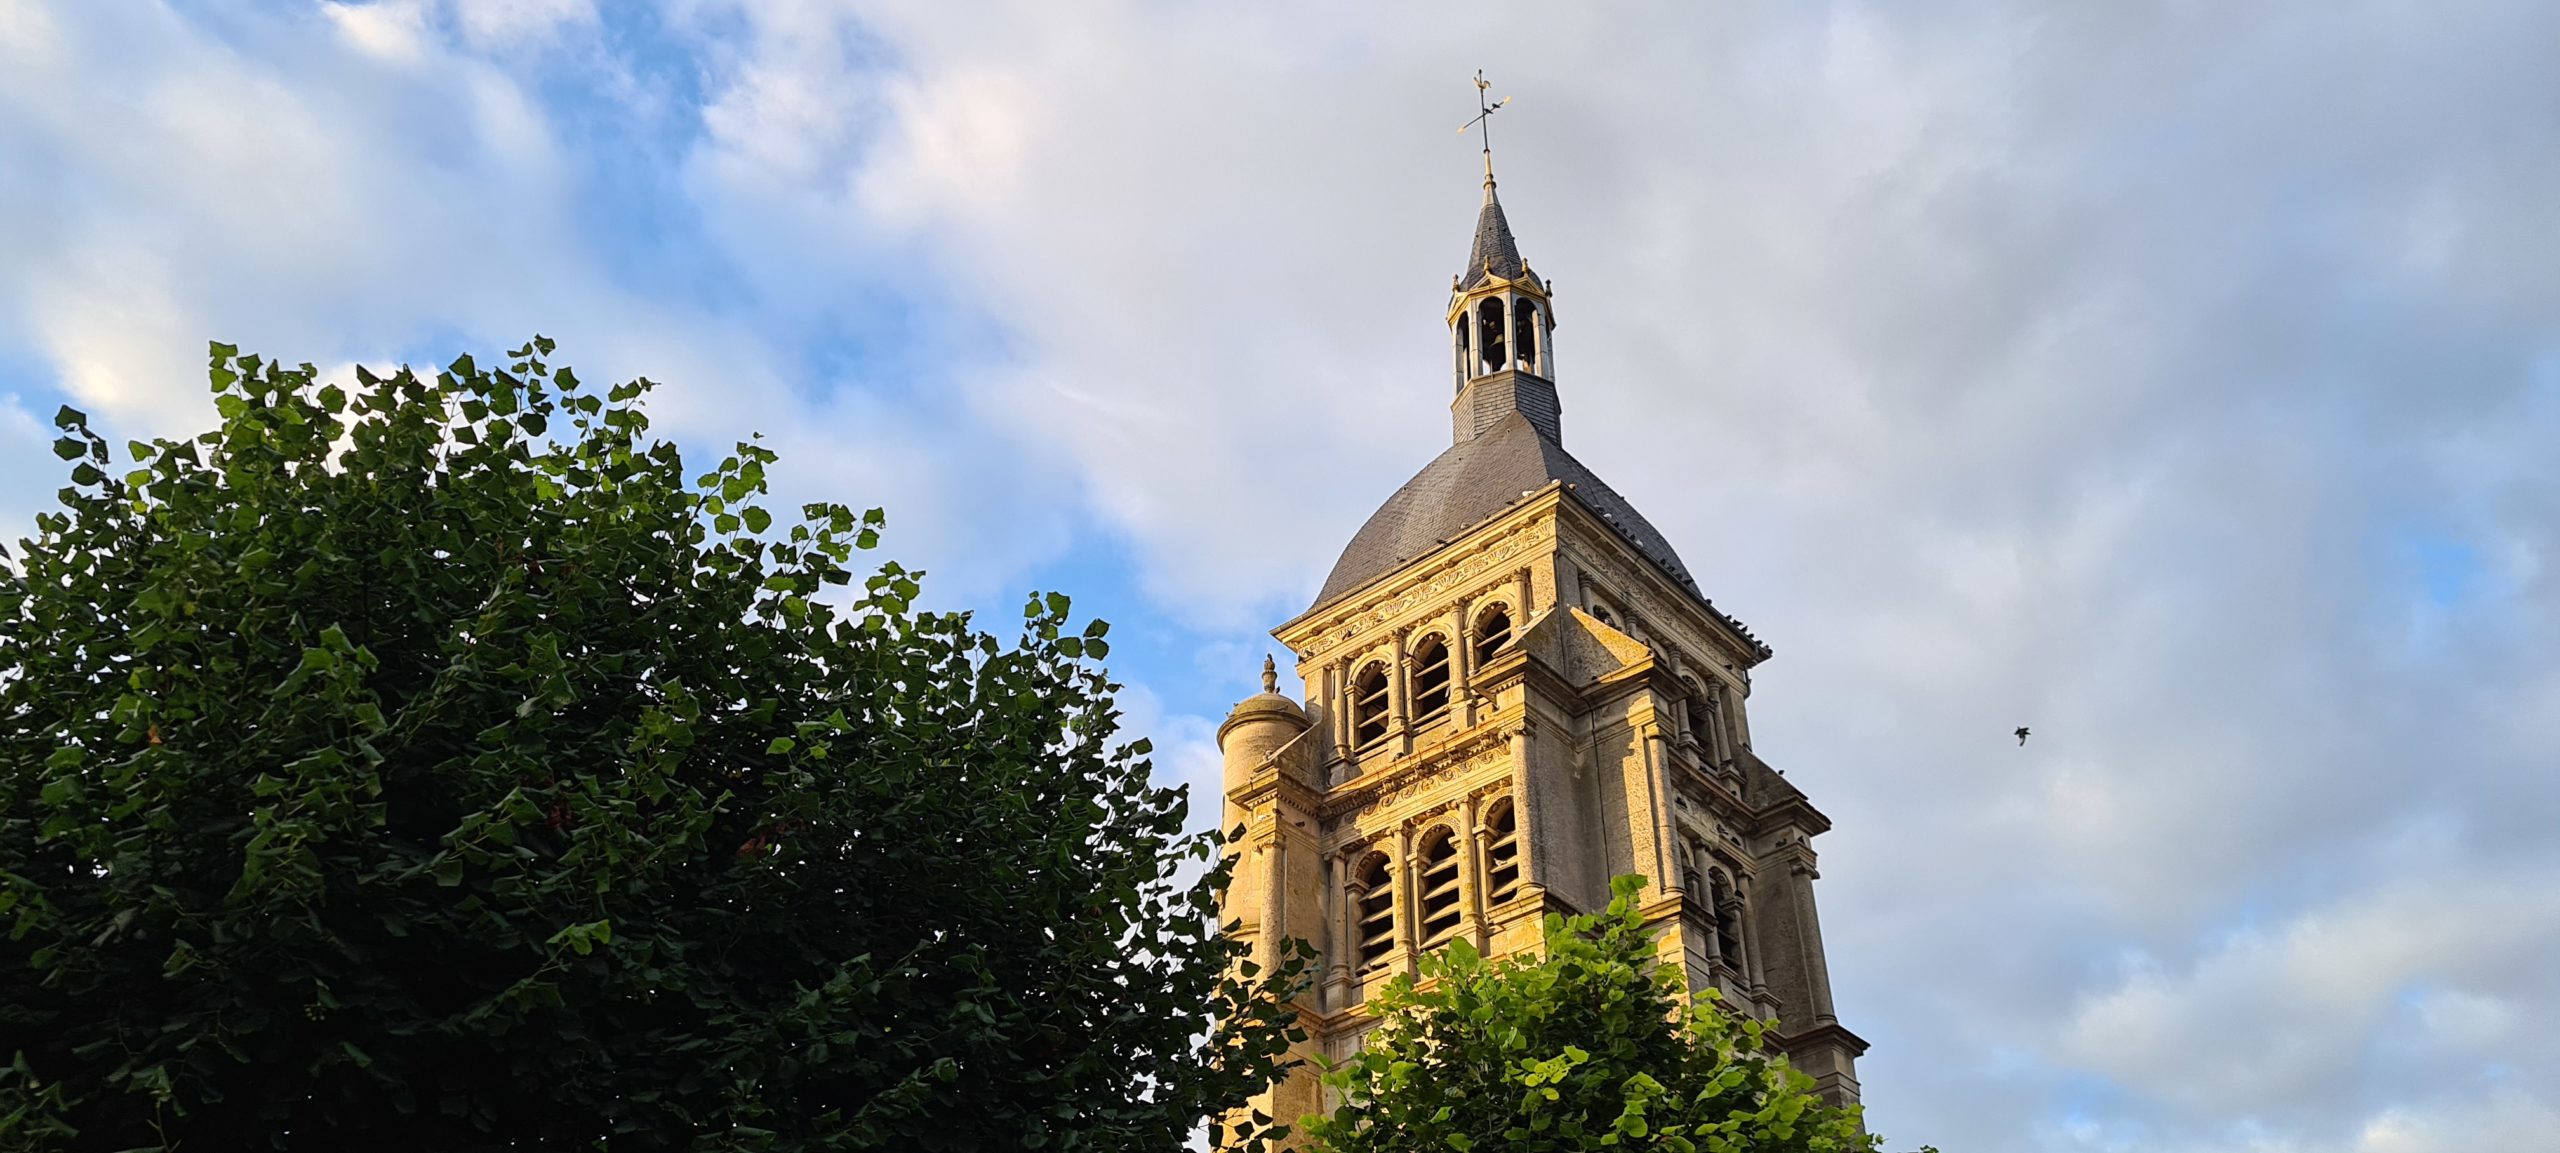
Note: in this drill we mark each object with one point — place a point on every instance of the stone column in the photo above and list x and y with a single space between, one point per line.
1400 693
1525 815
1737 728
1462 663
1520 612
1408 903
1657 760
1743 943
1817 974
1342 713
1715 934
1472 871
1713 739
1346 955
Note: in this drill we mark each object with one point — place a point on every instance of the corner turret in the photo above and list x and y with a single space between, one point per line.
1277 891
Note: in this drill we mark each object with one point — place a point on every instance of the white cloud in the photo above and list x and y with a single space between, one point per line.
2508 1120
2101 370
2273 1017
393 30
2000 366
498 24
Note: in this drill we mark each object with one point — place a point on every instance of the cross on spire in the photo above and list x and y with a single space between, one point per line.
1483 122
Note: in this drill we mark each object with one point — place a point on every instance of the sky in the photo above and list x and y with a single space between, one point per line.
2181 380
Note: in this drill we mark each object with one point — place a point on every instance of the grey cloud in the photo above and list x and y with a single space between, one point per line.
2178 380
354 182
2107 370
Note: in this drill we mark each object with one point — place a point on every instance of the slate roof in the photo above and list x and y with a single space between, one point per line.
1471 482
1493 247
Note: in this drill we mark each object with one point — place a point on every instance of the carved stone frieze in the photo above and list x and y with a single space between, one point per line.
1419 775
1443 586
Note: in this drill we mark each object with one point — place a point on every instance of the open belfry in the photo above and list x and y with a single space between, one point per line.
1514 693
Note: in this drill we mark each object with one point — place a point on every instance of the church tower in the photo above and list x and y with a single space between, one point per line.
1514 693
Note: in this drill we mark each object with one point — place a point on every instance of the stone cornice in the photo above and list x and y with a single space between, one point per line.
1830 1033
1270 782
1465 561
1463 753
1655 595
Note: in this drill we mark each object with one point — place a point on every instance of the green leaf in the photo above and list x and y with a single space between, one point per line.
383 681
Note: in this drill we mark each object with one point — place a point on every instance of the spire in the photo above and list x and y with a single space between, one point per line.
1493 249
1500 316
1494 252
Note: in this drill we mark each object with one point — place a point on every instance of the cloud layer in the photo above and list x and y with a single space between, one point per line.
2178 381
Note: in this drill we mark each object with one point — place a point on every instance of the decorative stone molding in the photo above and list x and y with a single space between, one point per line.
1482 749
1364 614
1592 552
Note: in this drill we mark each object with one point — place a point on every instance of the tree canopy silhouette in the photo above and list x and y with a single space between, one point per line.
431 764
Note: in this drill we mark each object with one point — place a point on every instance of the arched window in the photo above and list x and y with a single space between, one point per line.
1502 852
1430 678
1369 704
1377 910
1439 885
1702 717
1524 336
1728 910
1493 630
1693 875
1494 352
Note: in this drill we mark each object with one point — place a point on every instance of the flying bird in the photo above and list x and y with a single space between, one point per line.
2022 735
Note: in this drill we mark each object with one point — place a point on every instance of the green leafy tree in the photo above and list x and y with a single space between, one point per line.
433 765
1591 1046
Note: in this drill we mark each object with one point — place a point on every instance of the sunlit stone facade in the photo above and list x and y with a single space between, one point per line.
1514 692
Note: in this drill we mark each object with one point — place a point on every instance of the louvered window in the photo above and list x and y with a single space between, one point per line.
1439 887
1377 911
1728 905
1430 679
1493 630
1702 721
1502 854
1369 705
1491 634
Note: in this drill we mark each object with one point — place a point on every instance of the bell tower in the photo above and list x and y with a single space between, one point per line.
1514 691
1500 323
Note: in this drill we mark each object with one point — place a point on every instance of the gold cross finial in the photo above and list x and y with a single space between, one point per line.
1483 121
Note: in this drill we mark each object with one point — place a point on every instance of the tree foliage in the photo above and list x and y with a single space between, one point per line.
433 765
1592 1046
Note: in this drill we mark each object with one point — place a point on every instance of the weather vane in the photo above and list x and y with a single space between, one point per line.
1483 121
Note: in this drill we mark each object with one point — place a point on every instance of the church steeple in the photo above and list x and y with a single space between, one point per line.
1500 319
1515 692
1494 252
1501 323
